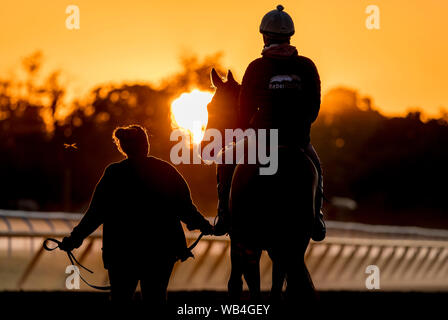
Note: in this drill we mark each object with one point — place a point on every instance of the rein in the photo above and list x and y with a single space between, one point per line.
74 261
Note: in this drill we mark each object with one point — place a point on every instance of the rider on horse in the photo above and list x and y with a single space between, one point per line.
281 90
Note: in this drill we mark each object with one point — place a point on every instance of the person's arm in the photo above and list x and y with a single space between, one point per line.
314 88
93 217
247 105
186 209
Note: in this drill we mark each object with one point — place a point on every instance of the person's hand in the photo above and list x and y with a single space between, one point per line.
68 244
185 255
221 227
207 229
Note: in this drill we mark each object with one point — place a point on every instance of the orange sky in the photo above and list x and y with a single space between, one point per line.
401 65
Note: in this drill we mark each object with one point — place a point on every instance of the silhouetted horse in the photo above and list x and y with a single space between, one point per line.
262 212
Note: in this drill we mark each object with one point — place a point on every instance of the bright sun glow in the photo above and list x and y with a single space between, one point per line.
189 113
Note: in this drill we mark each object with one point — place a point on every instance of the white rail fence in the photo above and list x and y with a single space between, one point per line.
409 258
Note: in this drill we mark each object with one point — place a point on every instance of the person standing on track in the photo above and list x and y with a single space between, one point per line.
138 201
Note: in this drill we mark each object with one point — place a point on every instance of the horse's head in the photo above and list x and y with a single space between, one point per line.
222 110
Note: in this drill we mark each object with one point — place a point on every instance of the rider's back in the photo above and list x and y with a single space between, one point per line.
281 90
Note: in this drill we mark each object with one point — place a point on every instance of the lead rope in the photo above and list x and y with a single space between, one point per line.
73 260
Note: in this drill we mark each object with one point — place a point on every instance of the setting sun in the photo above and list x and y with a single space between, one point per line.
189 113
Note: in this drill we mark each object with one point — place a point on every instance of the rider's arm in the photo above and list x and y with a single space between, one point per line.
247 105
313 89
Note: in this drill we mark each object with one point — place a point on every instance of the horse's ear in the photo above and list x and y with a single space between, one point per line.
215 78
230 76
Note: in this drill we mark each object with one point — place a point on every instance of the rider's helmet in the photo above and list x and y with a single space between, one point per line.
277 23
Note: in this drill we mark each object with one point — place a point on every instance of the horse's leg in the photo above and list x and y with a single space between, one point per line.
235 283
278 276
252 272
278 279
242 196
300 286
